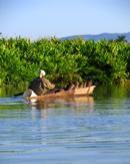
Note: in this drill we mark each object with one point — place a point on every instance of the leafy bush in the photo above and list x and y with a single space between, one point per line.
65 62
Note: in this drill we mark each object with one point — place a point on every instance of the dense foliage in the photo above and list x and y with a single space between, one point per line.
65 61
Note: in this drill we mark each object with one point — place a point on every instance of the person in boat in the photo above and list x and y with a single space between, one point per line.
41 85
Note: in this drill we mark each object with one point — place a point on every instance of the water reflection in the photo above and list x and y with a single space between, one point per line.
71 101
113 91
76 103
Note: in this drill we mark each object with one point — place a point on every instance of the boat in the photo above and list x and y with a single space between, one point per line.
61 93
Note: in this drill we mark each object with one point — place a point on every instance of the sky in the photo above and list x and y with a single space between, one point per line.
60 18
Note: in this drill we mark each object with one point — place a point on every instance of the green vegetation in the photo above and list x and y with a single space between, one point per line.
65 62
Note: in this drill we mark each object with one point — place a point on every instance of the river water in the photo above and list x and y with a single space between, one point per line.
81 130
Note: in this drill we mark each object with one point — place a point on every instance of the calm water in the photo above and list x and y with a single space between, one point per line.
94 130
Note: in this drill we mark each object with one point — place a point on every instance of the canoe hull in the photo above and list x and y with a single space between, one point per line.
29 94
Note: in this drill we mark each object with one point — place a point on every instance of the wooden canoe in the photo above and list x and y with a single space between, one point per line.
80 91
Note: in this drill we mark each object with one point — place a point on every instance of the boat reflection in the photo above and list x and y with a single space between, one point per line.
75 103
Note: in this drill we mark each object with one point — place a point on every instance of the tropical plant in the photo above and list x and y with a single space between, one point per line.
65 61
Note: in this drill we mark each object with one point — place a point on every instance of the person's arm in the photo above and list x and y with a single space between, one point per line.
48 84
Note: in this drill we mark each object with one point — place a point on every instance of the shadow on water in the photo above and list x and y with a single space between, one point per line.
10 91
112 91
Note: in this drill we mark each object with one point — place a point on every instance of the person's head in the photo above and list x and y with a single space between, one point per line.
42 73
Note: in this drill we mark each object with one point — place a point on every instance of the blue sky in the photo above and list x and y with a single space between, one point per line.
45 18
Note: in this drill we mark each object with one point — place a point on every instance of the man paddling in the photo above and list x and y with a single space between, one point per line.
41 85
